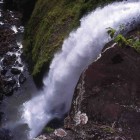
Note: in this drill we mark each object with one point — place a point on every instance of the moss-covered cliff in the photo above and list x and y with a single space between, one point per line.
50 23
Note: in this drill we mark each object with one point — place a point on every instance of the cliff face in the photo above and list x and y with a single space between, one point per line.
49 24
108 92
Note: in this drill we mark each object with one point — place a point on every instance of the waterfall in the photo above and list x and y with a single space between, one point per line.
81 48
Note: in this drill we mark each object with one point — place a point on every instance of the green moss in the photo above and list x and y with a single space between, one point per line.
48 130
121 40
133 41
50 23
109 129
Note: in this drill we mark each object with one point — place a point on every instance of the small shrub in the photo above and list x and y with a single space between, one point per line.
123 41
48 130
111 32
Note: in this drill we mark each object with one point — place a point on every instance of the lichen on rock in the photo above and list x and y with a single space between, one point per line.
60 132
81 118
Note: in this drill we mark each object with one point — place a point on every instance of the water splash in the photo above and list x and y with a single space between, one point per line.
81 48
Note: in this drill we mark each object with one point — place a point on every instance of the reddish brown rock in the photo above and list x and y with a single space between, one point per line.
109 93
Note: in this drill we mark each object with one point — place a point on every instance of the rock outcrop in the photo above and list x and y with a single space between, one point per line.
109 93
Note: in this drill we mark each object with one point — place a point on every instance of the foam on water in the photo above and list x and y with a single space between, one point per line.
14 28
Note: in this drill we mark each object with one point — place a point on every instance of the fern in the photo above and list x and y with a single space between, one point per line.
111 32
123 41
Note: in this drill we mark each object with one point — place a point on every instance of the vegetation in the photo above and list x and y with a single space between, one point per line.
132 41
111 32
48 130
50 23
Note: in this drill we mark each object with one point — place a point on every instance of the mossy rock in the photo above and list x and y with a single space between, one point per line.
48 130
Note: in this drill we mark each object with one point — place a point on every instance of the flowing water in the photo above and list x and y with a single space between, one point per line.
10 58
82 47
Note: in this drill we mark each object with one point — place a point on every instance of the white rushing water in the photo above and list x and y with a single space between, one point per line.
81 48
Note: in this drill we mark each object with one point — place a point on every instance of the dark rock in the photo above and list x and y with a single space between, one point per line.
3 72
1 96
15 47
26 7
117 59
1 87
8 90
9 19
7 38
6 86
11 82
1 115
9 60
22 78
15 71
18 64
5 134
4 48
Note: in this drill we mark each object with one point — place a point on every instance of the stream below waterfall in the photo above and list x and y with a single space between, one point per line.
16 85
28 110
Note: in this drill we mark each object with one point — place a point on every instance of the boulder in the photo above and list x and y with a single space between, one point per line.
22 78
5 134
1 96
8 90
15 71
9 60
3 71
